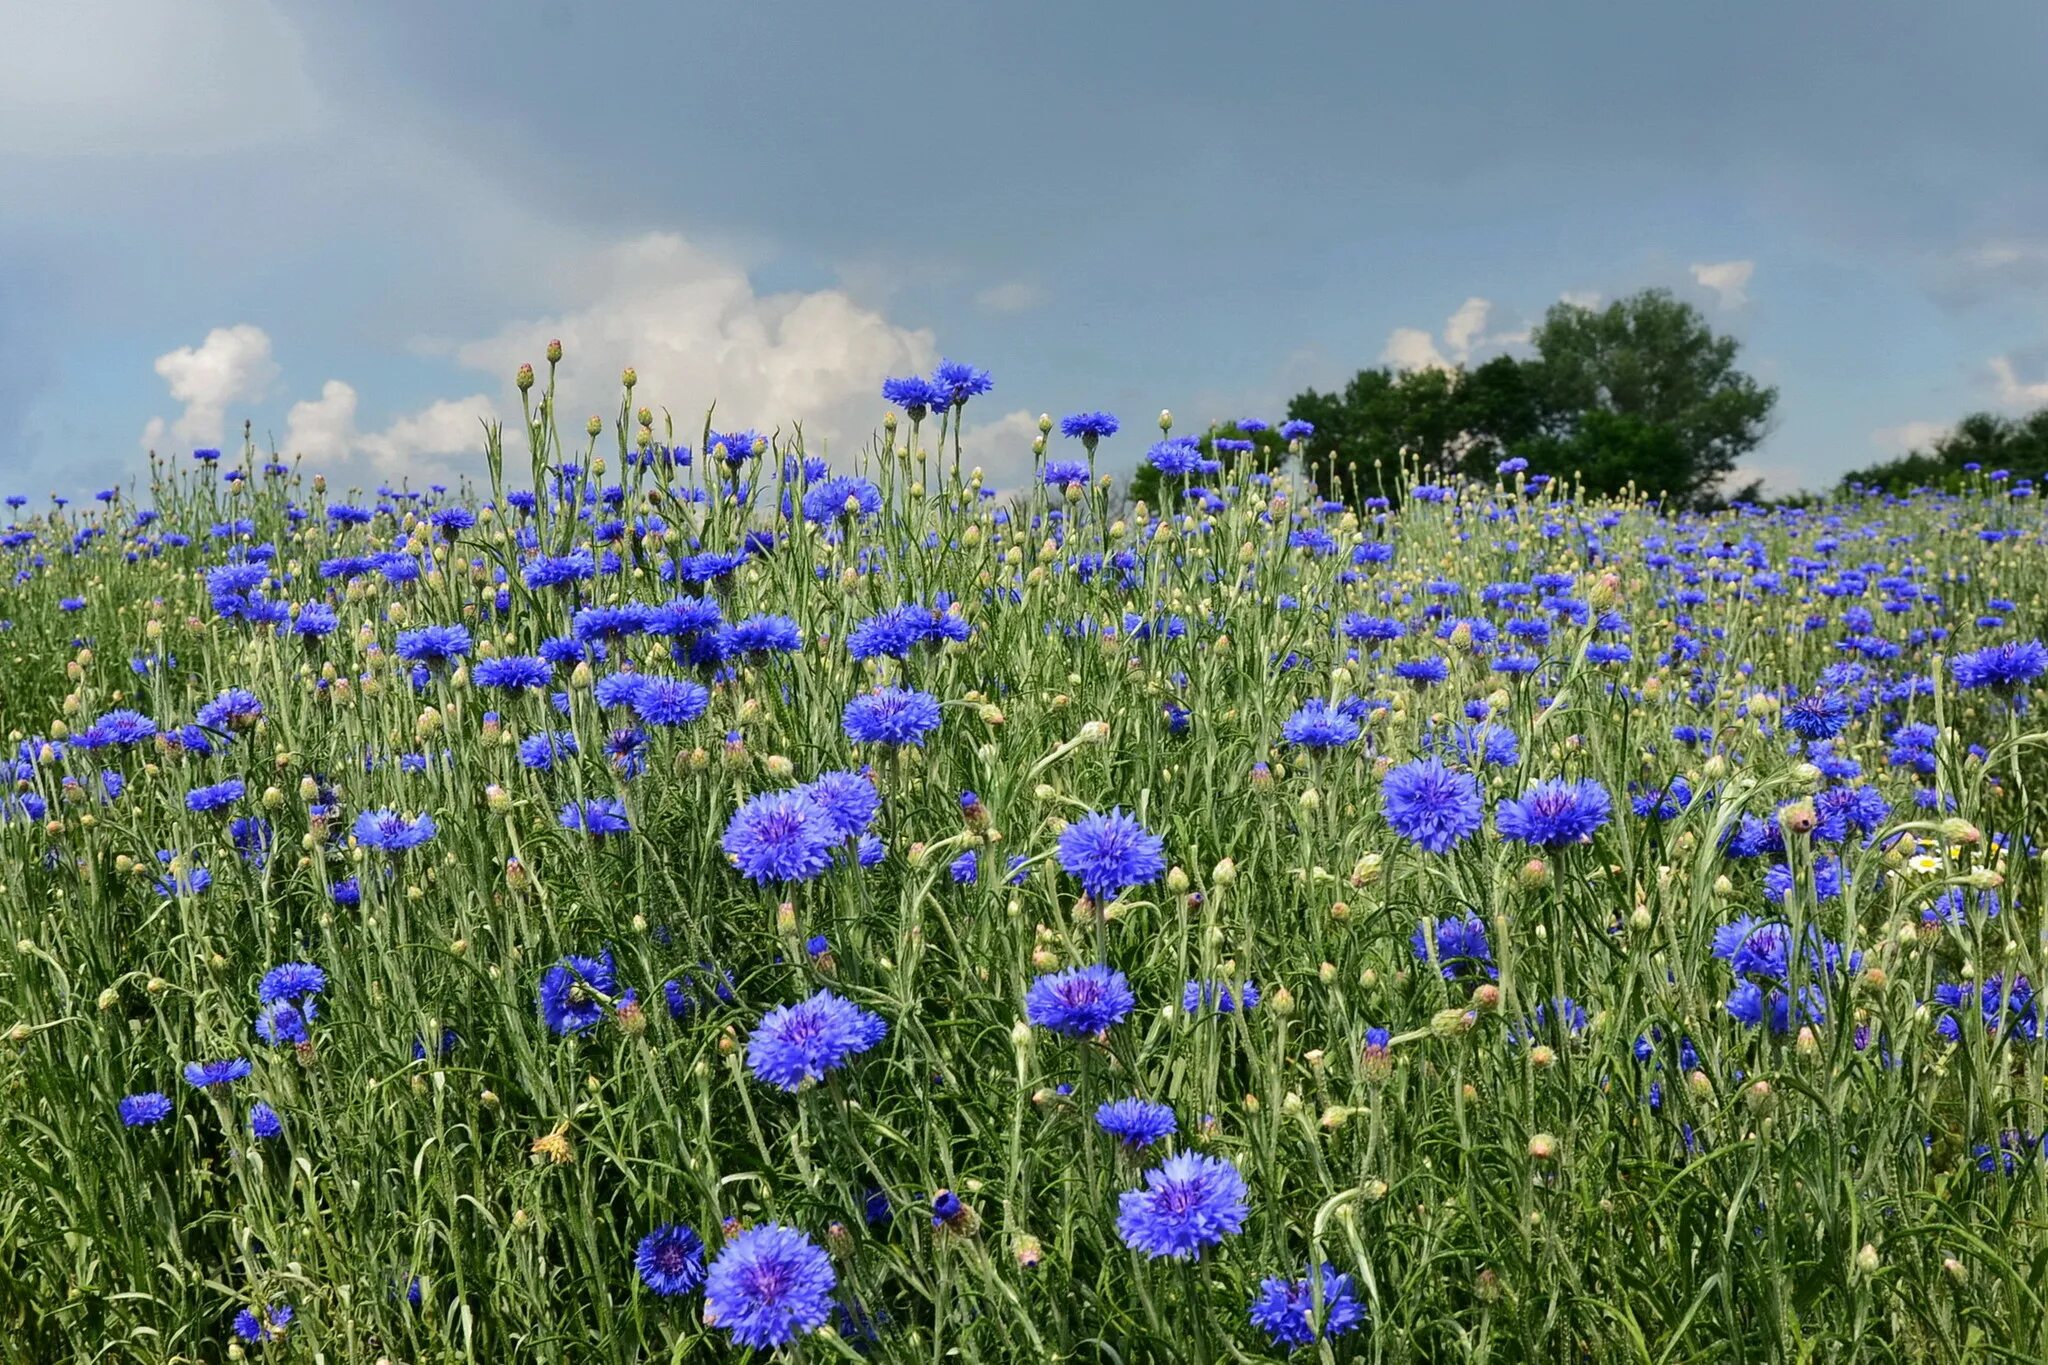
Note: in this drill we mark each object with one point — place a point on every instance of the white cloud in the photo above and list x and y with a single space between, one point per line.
1014 296
1002 450
423 444
2014 392
1582 298
1729 281
690 322
232 365
1412 348
1908 436
137 77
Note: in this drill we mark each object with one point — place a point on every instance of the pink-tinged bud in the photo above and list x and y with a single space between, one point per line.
1799 818
524 379
1535 874
1542 1147
1487 997
629 377
554 351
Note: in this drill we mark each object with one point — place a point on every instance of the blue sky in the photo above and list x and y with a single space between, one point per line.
350 223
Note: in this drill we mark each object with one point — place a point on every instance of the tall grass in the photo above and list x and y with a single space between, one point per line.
1654 1180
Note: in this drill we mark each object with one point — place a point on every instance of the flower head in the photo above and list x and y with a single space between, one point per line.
208 1075
781 837
891 715
768 1285
670 1259
569 991
1192 1201
1135 1122
1285 1309
1431 805
1109 853
1555 813
794 1044
145 1110
393 832
1081 1001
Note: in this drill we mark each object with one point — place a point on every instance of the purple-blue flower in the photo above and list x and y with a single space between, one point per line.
1431 805
1555 813
1079 1002
800 1043
1190 1202
1110 852
768 1286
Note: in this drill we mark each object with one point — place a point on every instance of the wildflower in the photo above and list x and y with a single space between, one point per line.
670 1259
433 644
569 991
215 797
1192 1201
1285 1309
270 1325
781 837
849 801
513 672
843 497
291 981
957 381
1823 715
597 816
264 1123
795 1044
216 1075
1227 997
392 832
1079 1002
1136 1123
1431 805
1460 945
891 715
1555 813
1088 427
770 1284
1318 725
2001 668
145 1110
1109 853
916 396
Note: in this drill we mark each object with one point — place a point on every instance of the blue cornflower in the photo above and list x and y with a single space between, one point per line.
1081 1001
891 715
1228 997
669 701
1109 853
609 622
433 644
795 1044
215 797
264 1123
225 1072
849 801
1296 430
539 752
764 635
915 395
512 672
844 496
118 727
738 446
769 1285
569 991
597 816
1136 1123
269 1326
1822 715
1177 457
235 709
781 837
1480 744
392 832
1555 813
1431 805
145 1110
957 381
1460 945
559 570
670 1259
284 1025
1190 1202
1088 427
1061 473
1422 672
1318 725
1285 1309
2001 668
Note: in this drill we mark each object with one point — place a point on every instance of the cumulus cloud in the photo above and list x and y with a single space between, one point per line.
439 439
1582 298
233 365
693 326
1412 348
2014 392
1728 280
1908 436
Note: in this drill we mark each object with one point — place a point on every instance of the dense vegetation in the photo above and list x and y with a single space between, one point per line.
681 899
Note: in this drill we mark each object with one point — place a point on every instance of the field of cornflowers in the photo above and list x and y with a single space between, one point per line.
684 899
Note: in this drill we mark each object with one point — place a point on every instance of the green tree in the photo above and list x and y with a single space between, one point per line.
1984 439
1643 391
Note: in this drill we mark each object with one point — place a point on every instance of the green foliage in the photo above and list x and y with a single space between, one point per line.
2018 446
1268 453
1639 393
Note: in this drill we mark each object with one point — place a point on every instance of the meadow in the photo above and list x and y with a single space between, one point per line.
683 897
